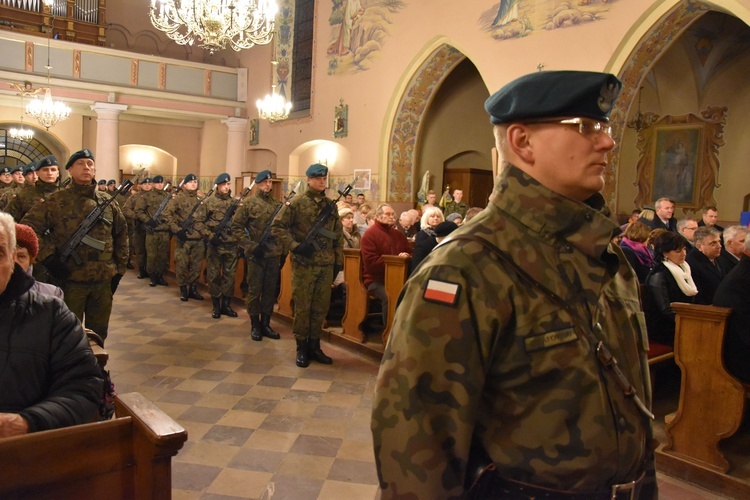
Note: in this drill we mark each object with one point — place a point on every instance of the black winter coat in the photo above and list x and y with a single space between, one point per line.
662 290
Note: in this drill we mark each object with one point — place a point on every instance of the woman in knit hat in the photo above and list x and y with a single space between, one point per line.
27 248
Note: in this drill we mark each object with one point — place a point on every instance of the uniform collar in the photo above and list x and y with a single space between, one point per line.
85 190
316 195
586 226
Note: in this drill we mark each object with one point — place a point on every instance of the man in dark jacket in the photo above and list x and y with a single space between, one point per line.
48 374
704 266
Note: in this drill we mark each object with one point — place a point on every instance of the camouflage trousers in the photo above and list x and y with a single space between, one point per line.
262 285
157 252
91 302
139 246
221 267
311 293
188 261
131 238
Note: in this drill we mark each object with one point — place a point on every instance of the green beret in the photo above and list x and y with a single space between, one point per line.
47 161
31 167
84 153
551 94
102 182
4 170
262 175
190 178
222 179
111 181
157 179
316 170
17 168
147 180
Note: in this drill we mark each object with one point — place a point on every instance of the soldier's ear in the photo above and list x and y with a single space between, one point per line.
518 140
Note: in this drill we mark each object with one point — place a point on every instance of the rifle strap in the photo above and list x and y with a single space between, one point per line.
328 234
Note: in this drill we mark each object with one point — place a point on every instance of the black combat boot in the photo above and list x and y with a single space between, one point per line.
142 273
226 307
303 354
255 332
316 353
183 293
265 327
130 266
216 313
152 280
194 292
160 280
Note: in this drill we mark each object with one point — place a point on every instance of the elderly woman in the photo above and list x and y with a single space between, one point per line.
351 237
633 244
426 238
669 281
27 248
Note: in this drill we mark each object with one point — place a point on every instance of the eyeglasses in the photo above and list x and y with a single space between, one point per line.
586 127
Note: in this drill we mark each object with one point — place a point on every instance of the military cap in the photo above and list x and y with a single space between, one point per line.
102 182
31 167
316 170
445 228
262 175
157 179
17 168
84 153
111 181
548 94
222 179
4 170
47 161
147 180
190 178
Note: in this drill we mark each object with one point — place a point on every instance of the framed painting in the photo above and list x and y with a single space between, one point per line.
363 179
679 159
341 120
254 132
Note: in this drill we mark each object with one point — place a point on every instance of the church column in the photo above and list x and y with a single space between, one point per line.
235 145
107 151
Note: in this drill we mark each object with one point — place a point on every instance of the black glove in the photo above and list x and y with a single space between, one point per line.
115 282
304 249
259 252
151 223
56 268
181 235
215 241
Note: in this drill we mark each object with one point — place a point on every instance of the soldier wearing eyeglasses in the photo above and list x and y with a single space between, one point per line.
494 355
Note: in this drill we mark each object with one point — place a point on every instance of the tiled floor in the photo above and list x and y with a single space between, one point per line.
258 426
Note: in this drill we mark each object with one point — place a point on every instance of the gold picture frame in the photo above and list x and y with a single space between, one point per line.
679 158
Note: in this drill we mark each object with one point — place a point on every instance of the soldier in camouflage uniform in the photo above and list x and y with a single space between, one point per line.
156 230
221 254
18 182
190 248
456 205
250 221
313 264
479 360
139 232
6 179
88 286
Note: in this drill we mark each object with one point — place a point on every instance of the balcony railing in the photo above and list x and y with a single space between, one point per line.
81 21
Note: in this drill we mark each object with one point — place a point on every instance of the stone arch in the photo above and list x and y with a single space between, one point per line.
407 120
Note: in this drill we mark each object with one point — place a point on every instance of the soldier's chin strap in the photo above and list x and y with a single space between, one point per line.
606 360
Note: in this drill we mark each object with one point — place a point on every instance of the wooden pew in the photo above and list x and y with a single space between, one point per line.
123 458
711 403
396 274
284 309
356 296
657 352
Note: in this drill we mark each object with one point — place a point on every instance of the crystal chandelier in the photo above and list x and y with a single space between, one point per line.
46 111
216 23
23 134
273 107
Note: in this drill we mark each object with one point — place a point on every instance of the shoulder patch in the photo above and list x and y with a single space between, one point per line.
442 292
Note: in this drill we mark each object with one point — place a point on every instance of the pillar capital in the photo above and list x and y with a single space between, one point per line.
235 124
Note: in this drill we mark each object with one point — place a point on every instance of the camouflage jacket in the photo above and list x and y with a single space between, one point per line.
147 204
536 400
9 194
179 209
456 207
28 196
295 221
251 219
62 213
128 207
212 213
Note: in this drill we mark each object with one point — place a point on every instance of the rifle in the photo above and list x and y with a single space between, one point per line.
267 230
222 227
56 263
155 219
318 226
187 225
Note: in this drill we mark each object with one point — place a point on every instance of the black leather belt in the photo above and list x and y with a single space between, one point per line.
508 489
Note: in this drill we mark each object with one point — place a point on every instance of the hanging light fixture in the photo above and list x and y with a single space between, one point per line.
216 23
22 134
47 111
273 107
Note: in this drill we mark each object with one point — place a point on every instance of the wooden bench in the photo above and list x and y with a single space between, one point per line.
123 458
711 403
396 274
657 352
356 296
284 309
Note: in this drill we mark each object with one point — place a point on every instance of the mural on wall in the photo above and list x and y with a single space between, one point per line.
519 18
359 29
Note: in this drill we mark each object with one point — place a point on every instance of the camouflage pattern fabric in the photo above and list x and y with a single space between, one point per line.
92 302
537 400
28 196
177 212
451 207
189 255
9 194
157 252
128 210
188 261
221 260
262 275
156 244
311 277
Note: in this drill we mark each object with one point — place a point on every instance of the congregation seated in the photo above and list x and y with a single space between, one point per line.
686 227
703 265
405 223
27 248
360 217
426 239
663 216
48 373
669 281
734 245
633 244
709 218
734 292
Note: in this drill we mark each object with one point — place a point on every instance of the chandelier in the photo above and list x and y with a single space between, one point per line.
216 23
46 111
273 107
23 134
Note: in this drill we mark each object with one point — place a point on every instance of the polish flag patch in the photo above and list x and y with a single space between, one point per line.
442 292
